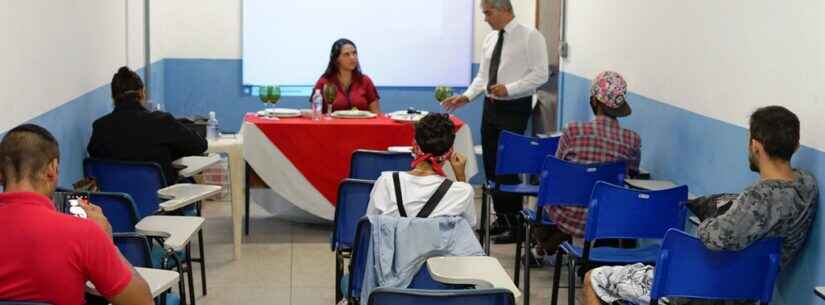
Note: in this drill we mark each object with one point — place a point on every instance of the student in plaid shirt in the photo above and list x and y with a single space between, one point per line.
600 140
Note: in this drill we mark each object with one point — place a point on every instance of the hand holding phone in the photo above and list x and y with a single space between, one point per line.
76 202
95 214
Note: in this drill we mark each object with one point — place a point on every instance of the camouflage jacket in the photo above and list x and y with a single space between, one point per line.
768 208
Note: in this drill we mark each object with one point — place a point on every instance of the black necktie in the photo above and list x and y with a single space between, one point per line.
496 60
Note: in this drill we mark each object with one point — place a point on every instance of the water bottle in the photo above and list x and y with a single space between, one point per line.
212 127
317 103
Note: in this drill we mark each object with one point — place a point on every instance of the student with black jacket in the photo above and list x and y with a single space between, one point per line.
133 133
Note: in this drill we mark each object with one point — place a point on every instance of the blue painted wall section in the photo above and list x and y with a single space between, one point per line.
71 124
710 156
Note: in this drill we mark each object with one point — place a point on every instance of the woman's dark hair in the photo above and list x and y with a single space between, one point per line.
777 128
332 66
434 133
126 86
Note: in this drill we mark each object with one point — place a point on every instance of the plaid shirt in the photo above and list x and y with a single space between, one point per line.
600 140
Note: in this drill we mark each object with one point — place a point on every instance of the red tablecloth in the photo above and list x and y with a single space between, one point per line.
321 150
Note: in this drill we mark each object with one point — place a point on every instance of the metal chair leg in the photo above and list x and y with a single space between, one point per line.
554 298
526 245
517 272
202 252
485 221
339 272
571 278
202 260
181 289
190 276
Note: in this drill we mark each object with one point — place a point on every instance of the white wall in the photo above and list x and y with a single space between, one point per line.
196 29
525 11
721 59
212 28
55 51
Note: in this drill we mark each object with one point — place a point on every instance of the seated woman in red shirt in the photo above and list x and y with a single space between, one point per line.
355 89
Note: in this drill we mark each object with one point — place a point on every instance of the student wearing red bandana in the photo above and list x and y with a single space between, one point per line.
432 148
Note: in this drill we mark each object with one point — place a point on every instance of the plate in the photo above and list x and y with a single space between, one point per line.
284 112
353 114
403 116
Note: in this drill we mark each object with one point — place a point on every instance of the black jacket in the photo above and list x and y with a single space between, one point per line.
131 133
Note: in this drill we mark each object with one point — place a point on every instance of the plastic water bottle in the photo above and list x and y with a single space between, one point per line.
212 127
317 103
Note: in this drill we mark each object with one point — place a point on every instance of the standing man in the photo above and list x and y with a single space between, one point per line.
513 65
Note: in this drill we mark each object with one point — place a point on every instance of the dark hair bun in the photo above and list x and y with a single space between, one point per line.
126 85
434 133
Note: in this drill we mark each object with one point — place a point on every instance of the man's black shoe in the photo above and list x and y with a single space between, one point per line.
504 238
500 225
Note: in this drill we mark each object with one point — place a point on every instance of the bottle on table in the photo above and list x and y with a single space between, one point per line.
317 104
212 127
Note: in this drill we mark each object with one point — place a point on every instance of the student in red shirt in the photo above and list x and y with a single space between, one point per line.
48 256
355 89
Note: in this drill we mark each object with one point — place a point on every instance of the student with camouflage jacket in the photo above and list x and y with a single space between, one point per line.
781 204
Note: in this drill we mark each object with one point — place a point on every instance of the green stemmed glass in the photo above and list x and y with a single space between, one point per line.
330 92
269 95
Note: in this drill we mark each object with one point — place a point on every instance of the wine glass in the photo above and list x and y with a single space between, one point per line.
330 92
269 95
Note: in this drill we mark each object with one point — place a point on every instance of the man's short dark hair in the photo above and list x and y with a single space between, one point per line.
777 128
434 133
25 151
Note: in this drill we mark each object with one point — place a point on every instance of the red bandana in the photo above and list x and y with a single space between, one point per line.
435 161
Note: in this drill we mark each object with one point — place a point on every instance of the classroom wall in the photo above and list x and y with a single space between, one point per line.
57 59
199 44
65 53
696 70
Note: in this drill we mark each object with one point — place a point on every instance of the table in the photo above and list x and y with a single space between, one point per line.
193 165
159 280
820 291
232 146
481 271
302 161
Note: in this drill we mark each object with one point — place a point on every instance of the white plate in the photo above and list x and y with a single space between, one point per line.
353 114
284 112
403 116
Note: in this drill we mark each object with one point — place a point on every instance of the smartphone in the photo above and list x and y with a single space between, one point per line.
75 207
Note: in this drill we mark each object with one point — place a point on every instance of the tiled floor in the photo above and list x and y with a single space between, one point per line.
287 263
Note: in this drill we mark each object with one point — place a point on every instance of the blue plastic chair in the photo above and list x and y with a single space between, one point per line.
748 274
353 198
395 296
563 183
516 154
358 265
119 209
369 164
135 248
141 180
619 212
